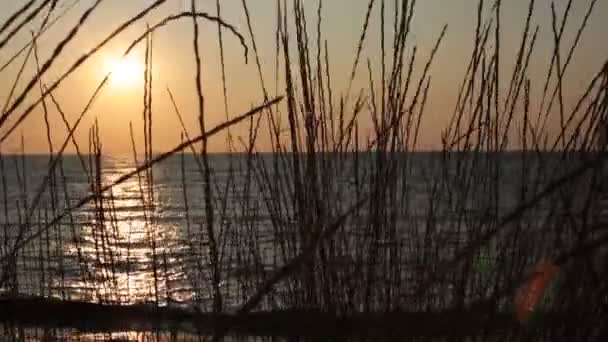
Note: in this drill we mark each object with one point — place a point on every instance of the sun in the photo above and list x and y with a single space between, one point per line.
125 72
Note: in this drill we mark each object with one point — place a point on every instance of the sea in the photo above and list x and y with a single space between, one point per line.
147 238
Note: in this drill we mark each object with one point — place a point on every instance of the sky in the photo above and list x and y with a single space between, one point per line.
121 102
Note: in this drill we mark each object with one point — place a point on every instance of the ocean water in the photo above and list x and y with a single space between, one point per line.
146 240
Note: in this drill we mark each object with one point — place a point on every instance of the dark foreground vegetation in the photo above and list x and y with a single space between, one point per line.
309 324
347 247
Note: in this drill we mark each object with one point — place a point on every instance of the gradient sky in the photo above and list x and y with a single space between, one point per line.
120 104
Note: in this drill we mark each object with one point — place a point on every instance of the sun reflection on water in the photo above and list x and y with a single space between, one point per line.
128 254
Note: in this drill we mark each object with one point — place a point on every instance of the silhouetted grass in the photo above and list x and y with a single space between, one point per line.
358 228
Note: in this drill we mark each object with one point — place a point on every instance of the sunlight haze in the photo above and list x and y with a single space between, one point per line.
173 63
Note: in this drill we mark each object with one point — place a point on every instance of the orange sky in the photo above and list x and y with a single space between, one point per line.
122 101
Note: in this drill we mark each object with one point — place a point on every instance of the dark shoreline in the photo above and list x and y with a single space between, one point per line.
38 312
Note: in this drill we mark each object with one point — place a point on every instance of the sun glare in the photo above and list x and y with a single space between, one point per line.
125 71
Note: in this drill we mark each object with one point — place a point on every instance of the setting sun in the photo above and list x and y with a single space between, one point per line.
303 170
125 71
